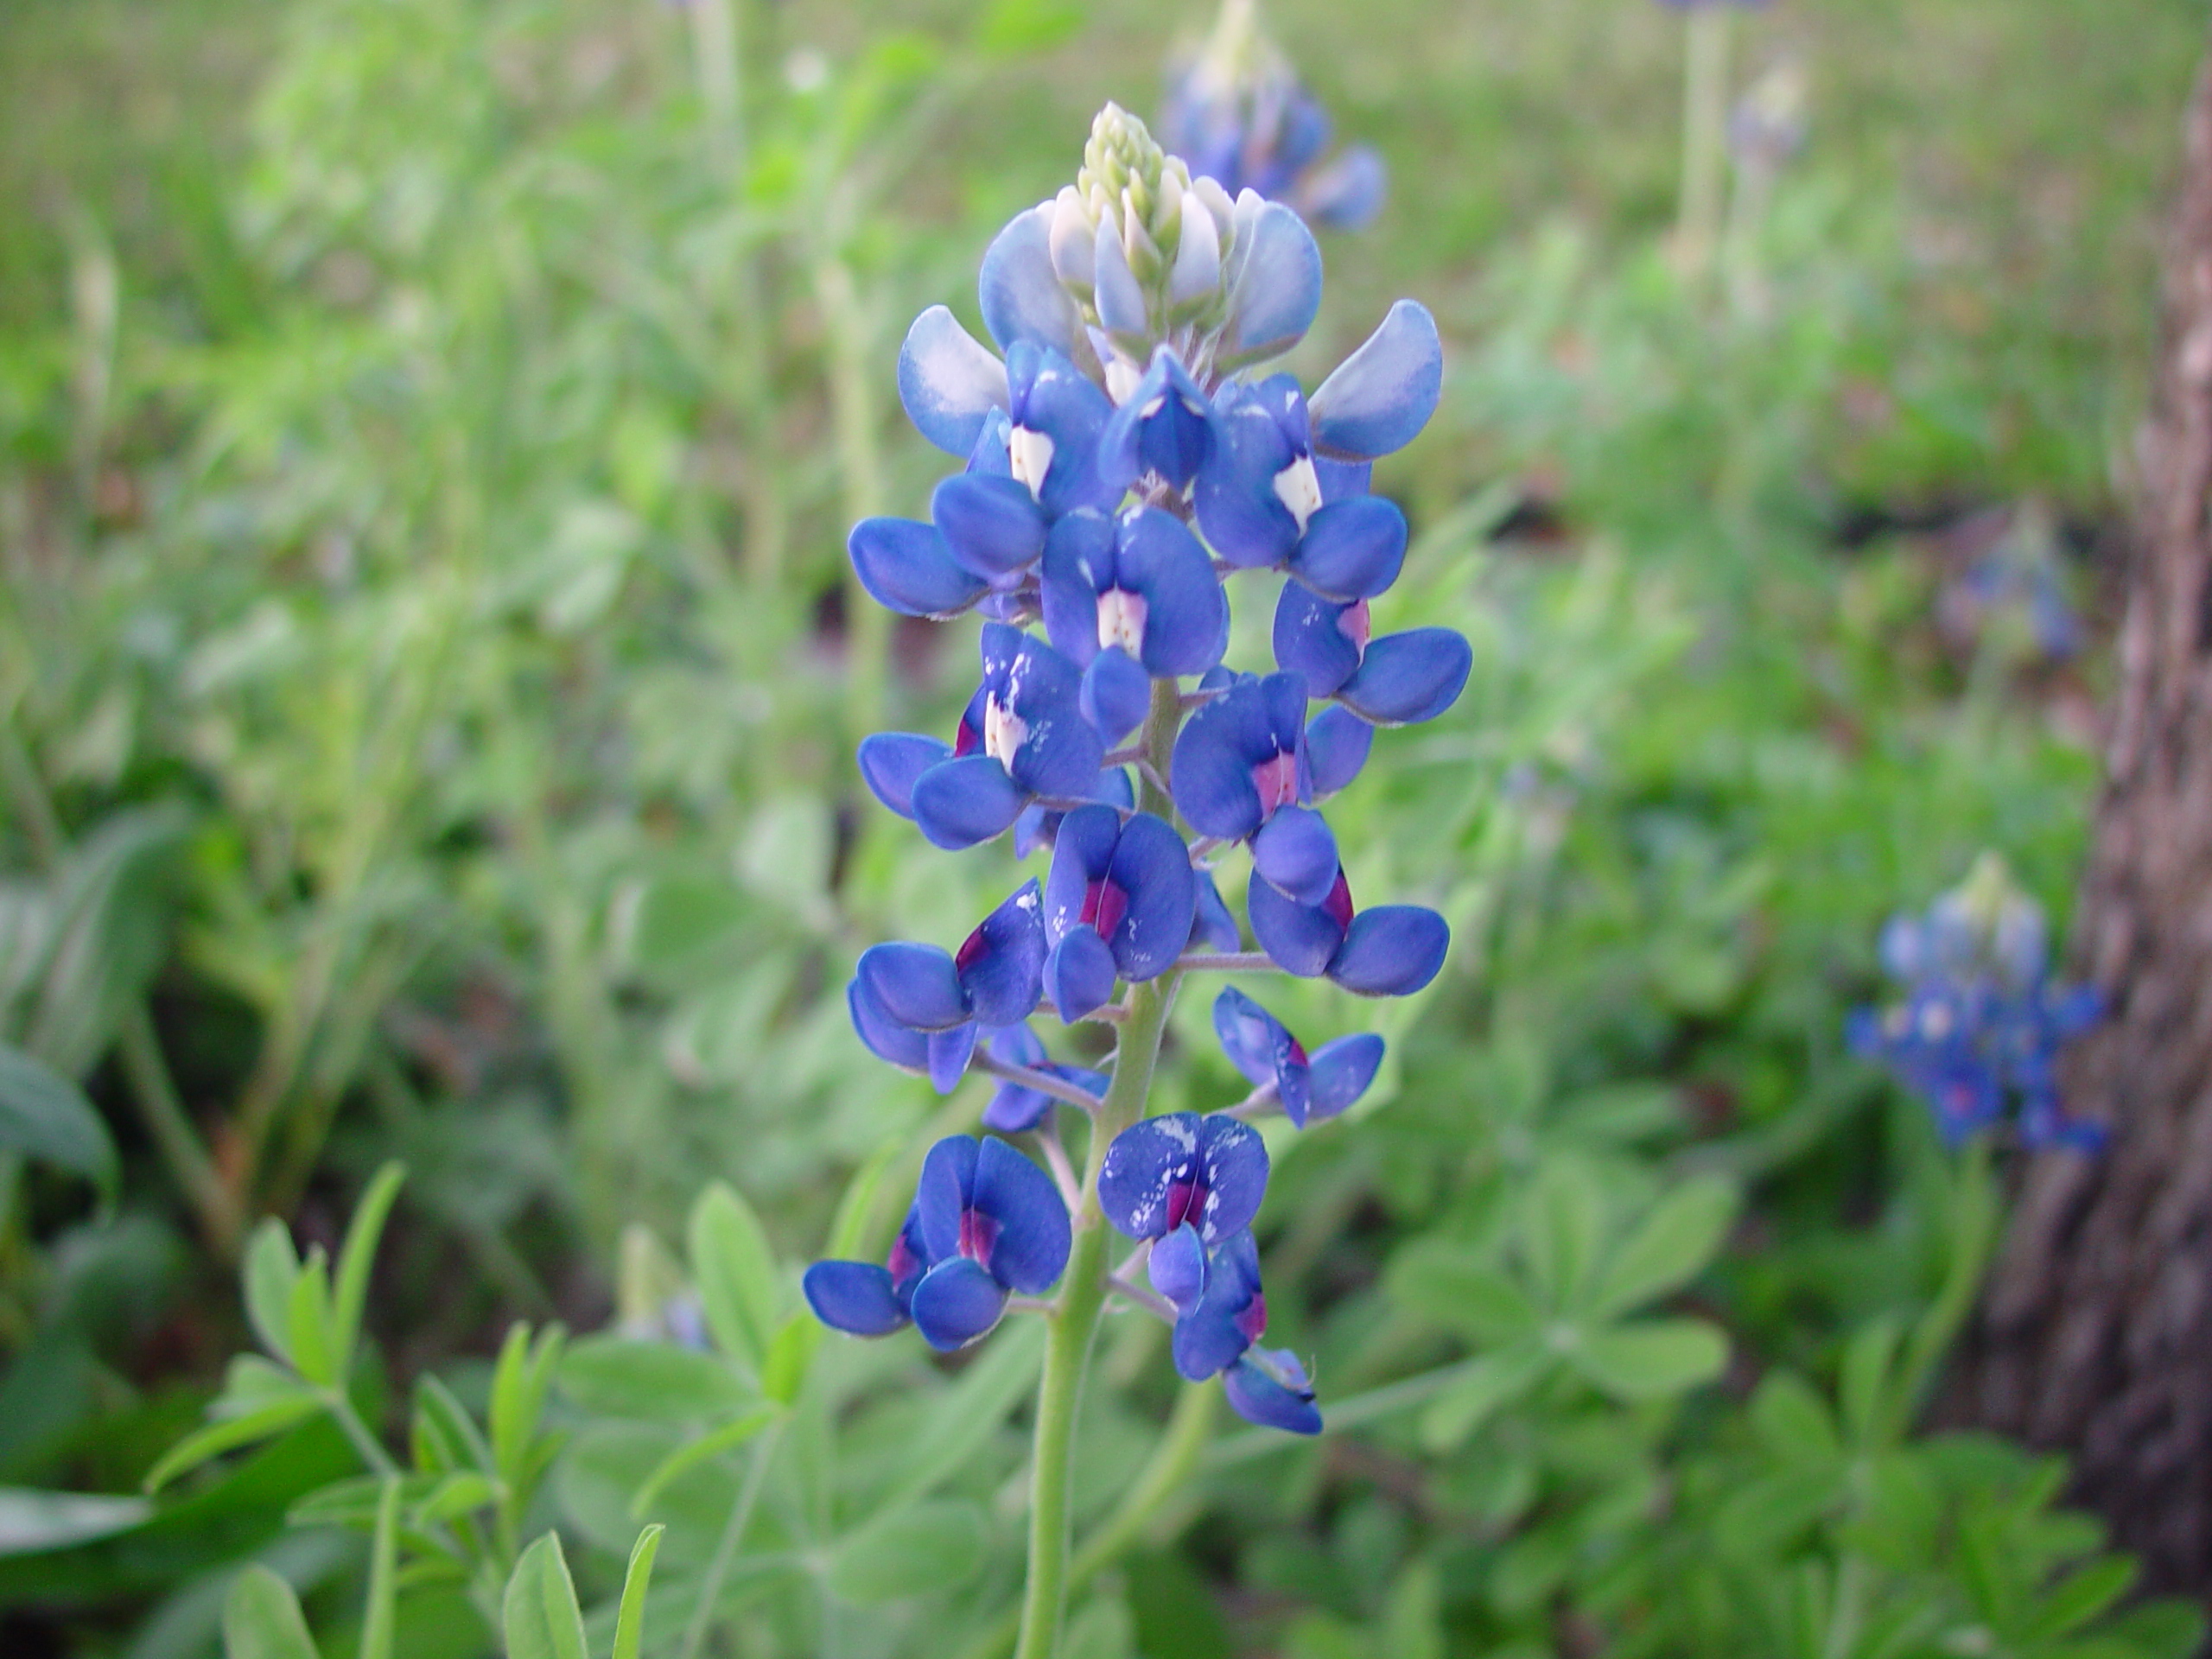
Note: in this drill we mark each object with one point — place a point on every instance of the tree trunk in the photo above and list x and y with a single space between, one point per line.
2096 1337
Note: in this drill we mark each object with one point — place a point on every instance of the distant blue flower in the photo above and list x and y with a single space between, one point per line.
985 1222
1390 950
1238 113
925 1009
1261 1047
1119 904
1978 1033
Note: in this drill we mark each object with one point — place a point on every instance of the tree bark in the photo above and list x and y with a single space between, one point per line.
2095 1336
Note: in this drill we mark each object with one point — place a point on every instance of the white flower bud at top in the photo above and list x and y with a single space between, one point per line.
1142 252
1198 260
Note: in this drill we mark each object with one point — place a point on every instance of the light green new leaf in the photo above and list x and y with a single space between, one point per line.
1669 1248
783 1372
271 1266
1440 1281
1561 1222
356 1256
1792 1422
229 1434
936 1546
690 1455
307 1322
520 1382
46 1116
736 1271
34 1521
384 1590
1646 1359
1863 1389
611 1376
970 1412
629 1615
540 1613
262 1618
1493 1380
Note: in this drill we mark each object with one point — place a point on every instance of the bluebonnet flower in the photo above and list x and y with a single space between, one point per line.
1237 112
986 1224
1979 1030
1262 1047
1122 458
924 1009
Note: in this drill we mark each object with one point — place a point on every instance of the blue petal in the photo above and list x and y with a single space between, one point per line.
956 1304
950 1052
1258 1043
1014 1109
1275 287
1317 639
1210 770
1177 1268
1187 613
1152 867
948 381
1021 295
1144 1162
1337 743
965 801
891 761
915 984
1237 1174
1061 755
1294 853
1407 678
1391 950
1001 965
884 1037
942 1194
1117 695
1082 854
1351 550
1243 517
1340 1072
992 526
1341 480
1298 938
1346 194
1080 565
1115 292
1164 427
1381 397
1079 974
1258 1398
905 567
1229 1317
854 1297
1213 926
1053 398
1031 1246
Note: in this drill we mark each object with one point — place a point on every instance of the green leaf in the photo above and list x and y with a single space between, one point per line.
2079 1598
1560 1223
970 1412
1669 1247
928 1546
262 1618
783 1373
520 1382
689 1456
1646 1359
307 1322
540 1613
1863 1391
1792 1422
1493 1380
356 1256
271 1266
648 1382
629 1616
1442 1281
736 1271
228 1435
444 1435
376 1623
856 1205
461 1493
31 1521
46 1116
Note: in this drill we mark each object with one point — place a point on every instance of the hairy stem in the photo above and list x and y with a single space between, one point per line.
1067 1348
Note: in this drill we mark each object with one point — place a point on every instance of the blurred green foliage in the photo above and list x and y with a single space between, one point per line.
427 689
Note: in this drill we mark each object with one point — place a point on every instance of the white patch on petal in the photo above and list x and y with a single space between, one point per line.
1004 733
1121 620
1030 453
1183 1135
1298 487
1121 378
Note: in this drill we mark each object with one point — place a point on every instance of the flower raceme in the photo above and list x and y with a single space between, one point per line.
1125 461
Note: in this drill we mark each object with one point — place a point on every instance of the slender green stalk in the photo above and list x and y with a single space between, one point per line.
1074 1322
1705 119
725 1548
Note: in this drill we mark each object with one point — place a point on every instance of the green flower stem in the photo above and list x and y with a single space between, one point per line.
1704 120
726 1547
1075 1322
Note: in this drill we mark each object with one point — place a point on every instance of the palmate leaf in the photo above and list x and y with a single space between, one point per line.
1669 1248
45 1117
1646 1359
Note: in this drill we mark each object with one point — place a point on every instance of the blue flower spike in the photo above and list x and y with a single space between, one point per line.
1310 1090
1119 904
994 1224
1123 453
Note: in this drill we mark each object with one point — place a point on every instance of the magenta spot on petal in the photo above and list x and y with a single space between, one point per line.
1252 1319
1354 625
1297 1053
1103 907
1339 903
972 950
1276 778
966 741
904 1264
978 1233
1186 1201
